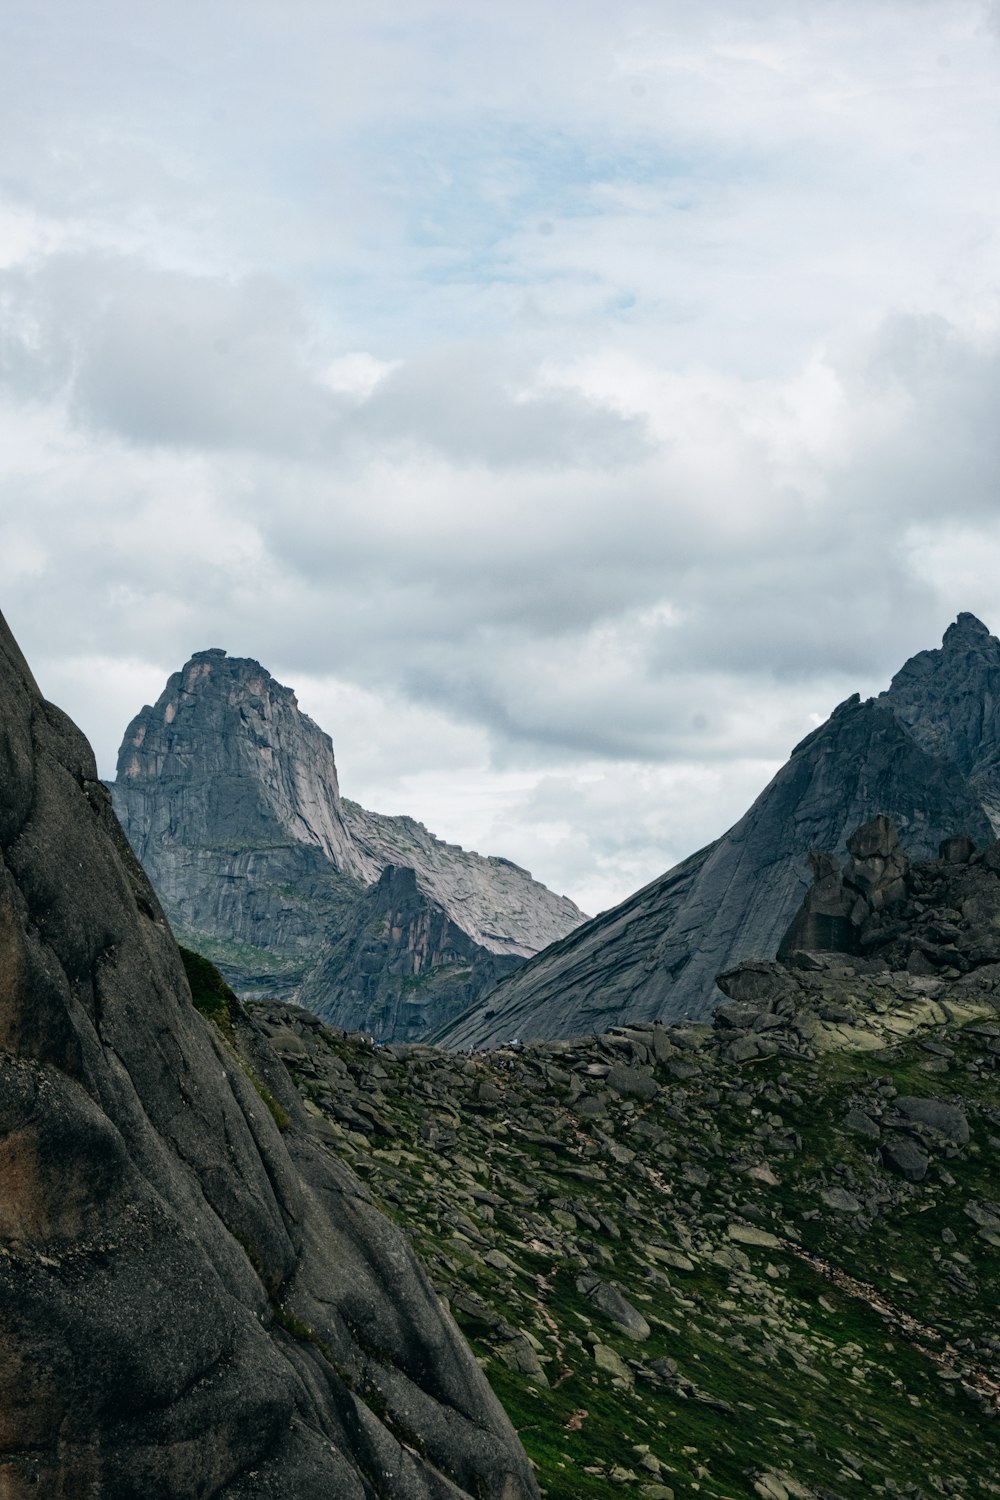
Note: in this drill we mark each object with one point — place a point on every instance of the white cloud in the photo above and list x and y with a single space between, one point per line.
571 403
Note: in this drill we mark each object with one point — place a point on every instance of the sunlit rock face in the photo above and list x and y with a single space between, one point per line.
925 754
230 798
196 1296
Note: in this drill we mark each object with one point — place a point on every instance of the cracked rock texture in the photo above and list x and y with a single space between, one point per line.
400 946
949 700
193 1300
229 796
923 754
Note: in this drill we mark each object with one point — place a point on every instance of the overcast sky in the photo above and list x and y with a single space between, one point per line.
573 401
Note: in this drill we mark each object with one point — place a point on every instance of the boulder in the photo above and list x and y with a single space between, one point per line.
906 1159
949 1120
615 1306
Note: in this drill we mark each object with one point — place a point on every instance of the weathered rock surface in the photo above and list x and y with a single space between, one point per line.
229 795
401 965
949 700
496 902
655 957
838 903
193 1299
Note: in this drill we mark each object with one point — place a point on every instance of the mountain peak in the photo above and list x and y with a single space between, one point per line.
967 627
949 700
226 754
229 795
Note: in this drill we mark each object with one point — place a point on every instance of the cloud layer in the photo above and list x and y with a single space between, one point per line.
572 407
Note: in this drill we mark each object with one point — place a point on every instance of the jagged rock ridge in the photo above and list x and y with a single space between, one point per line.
949 700
196 1297
655 957
397 939
230 797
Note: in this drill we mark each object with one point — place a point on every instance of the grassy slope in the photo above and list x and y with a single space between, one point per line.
778 1370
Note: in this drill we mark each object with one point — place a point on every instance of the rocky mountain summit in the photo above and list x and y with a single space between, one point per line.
924 753
197 1296
229 796
756 1258
949 700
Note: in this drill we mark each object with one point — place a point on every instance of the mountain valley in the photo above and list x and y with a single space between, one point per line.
248 1252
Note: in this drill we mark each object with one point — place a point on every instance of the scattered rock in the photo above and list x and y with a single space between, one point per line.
906 1159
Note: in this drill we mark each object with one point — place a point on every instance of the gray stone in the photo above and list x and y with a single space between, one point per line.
949 1120
957 850
856 1119
841 1200
606 1359
906 1159
633 1083
615 1306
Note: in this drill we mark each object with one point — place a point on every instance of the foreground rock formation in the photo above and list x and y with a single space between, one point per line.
197 1298
655 957
229 796
758 1258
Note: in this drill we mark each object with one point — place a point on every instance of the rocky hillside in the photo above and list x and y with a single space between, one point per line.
655 957
755 1258
229 796
197 1296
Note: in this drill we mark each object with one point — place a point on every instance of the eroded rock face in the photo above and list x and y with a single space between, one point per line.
839 903
949 700
192 1301
936 918
401 966
655 957
229 795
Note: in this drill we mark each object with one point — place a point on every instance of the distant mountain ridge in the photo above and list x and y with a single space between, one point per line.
230 797
926 752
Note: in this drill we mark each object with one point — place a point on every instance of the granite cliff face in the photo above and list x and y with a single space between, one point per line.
196 1296
401 963
655 957
229 796
949 700
492 899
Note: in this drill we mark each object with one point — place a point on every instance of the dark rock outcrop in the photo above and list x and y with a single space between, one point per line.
837 904
655 957
934 917
949 700
193 1300
230 798
402 965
